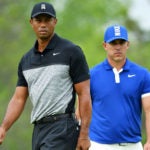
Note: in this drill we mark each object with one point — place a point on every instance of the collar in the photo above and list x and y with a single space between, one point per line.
50 46
107 66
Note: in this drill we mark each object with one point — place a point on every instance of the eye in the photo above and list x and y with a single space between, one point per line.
48 19
122 42
37 19
115 42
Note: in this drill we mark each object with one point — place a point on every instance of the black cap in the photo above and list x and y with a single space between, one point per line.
43 8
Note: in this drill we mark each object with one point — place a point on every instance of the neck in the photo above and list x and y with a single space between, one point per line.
42 43
117 64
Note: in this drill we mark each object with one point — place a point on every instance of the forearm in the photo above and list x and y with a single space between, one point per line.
146 108
14 110
85 114
147 125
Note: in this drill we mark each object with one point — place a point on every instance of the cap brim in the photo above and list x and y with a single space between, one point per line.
116 38
40 13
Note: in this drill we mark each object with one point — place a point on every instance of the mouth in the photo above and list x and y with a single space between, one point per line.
117 53
42 31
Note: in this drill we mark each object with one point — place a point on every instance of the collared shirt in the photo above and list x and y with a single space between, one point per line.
50 76
116 102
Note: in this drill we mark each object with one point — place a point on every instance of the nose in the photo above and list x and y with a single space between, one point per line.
118 47
43 24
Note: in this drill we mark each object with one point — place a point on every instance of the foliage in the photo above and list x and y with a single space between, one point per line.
83 22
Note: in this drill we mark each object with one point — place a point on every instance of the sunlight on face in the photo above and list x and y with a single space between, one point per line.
116 50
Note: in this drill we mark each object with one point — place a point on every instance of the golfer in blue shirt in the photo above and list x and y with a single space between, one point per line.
120 89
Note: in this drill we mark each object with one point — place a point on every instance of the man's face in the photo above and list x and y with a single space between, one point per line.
43 26
116 50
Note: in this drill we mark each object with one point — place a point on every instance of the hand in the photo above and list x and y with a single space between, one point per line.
2 134
83 144
147 146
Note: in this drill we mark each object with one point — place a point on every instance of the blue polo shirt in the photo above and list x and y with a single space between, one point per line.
116 101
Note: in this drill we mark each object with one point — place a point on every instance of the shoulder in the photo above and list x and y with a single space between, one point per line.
66 44
96 70
64 40
26 58
138 69
27 54
136 66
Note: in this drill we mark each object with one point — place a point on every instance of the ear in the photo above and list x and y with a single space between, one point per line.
128 44
31 22
55 21
104 44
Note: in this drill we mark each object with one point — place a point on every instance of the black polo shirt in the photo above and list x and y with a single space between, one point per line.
50 76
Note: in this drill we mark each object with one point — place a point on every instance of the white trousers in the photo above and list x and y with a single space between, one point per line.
122 146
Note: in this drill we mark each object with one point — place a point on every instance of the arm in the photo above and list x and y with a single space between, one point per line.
84 100
146 108
14 110
77 113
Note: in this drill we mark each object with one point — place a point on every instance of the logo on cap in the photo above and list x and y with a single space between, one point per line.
117 30
43 6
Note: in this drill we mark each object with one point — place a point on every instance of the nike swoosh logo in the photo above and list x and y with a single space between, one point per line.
131 75
54 54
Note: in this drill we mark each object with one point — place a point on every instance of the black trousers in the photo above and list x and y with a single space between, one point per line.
61 134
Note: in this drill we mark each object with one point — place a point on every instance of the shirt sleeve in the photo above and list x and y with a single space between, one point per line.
146 85
21 79
79 69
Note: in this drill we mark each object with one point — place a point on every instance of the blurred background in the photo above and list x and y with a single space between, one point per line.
83 22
